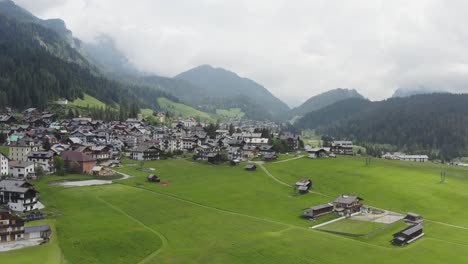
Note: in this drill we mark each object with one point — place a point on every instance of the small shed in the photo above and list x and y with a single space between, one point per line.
153 178
413 218
235 162
303 185
214 158
37 232
408 235
250 167
98 171
319 210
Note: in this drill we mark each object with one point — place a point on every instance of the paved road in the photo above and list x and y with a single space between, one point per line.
124 176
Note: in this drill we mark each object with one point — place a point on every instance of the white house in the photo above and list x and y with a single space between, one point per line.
45 159
4 169
21 169
19 195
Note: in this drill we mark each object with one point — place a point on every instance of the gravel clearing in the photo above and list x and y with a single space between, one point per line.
7 246
84 183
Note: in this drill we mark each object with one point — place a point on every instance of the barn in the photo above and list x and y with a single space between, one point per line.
408 235
318 210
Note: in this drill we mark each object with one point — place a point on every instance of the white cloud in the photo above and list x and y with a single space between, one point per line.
295 48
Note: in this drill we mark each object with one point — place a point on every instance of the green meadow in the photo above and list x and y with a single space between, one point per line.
224 214
88 101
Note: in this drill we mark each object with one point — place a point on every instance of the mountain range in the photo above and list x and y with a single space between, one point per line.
435 124
324 99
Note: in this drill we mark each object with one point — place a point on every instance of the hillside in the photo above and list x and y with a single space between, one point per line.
37 66
435 124
218 83
181 110
324 99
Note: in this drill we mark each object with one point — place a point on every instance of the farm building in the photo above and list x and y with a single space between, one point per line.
413 218
250 167
408 235
347 204
303 185
153 178
98 171
78 161
315 153
214 158
319 210
36 232
270 156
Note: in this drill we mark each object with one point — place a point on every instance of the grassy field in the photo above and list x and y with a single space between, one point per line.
223 214
230 113
88 101
352 226
182 110
4 150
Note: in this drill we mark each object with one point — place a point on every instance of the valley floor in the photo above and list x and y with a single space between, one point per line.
224 214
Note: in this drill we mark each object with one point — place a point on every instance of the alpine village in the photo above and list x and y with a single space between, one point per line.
103 163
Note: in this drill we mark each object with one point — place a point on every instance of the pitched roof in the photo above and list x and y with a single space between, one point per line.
30 229
76 156
346 199
19 186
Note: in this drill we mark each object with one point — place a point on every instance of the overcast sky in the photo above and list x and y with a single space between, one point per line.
295 48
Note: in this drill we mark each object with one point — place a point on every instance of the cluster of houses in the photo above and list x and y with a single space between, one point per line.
344 205
347 205
405 157
336 148
12 229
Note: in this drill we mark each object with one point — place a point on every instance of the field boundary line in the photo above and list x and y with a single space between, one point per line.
329 222
164 240
216 209
295 158
446 224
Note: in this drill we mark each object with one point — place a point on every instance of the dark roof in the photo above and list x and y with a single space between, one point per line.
322 206
250 166
41 154
411 230
30 229
413 215
75 156
347 199
18 186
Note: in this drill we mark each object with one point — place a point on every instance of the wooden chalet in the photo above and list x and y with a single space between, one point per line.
11 227
315 153
408 235
18 195
318 210
303 185
347 204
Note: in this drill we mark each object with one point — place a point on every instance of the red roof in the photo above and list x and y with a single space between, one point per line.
76 156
